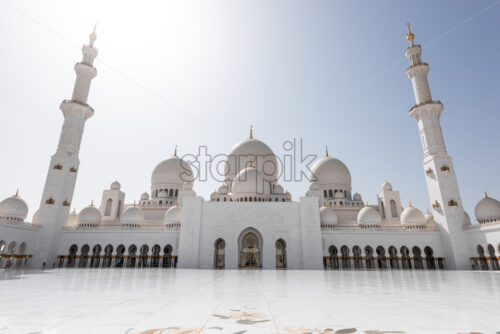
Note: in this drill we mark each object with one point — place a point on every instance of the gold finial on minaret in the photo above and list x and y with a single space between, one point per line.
485 194
251 131
92 203
410 37
326 153
93 36
17 193
175 151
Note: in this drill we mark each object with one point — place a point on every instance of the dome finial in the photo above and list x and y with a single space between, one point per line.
366 203
326 153
409 204
410 37
485 194
17 193
92 203
74 210
93 36
134 202
175 151
251 131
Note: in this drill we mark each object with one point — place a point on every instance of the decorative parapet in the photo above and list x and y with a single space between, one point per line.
129 228
398 228
19 224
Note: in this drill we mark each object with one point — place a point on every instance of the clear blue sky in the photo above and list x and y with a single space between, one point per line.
329 72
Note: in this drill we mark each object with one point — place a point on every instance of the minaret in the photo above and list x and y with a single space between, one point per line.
440 175
63 169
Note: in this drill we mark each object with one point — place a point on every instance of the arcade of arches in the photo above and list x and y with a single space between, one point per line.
13 255
107 257
486 258
379 258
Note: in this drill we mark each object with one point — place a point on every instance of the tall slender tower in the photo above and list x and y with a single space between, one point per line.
63 169
440 175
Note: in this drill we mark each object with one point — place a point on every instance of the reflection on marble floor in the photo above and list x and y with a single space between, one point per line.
161 301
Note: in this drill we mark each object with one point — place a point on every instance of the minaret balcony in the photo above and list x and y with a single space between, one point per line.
415 65
79 103
423 104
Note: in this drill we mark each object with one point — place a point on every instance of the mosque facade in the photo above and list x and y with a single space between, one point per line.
251 221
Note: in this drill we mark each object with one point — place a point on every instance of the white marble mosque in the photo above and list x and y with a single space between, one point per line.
251 221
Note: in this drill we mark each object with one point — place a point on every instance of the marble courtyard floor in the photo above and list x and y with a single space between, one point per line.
159 301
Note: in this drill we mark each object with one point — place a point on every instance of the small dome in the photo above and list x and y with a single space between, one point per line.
132 216
313 186
278 189
115 185
36 218
339 195
327 216
357 197
330 171
171 171
223 189
386 186
487 209
412 216
144 196
369 216
14 207
251 181
173 215
214 195
89 216
429 218
73 218
467 219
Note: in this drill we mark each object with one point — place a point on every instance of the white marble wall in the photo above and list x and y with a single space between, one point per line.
203 223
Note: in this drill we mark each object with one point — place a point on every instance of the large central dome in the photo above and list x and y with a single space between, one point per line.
330 171
251 149
171 171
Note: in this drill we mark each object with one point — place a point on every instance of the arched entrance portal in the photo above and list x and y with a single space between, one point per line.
250 243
